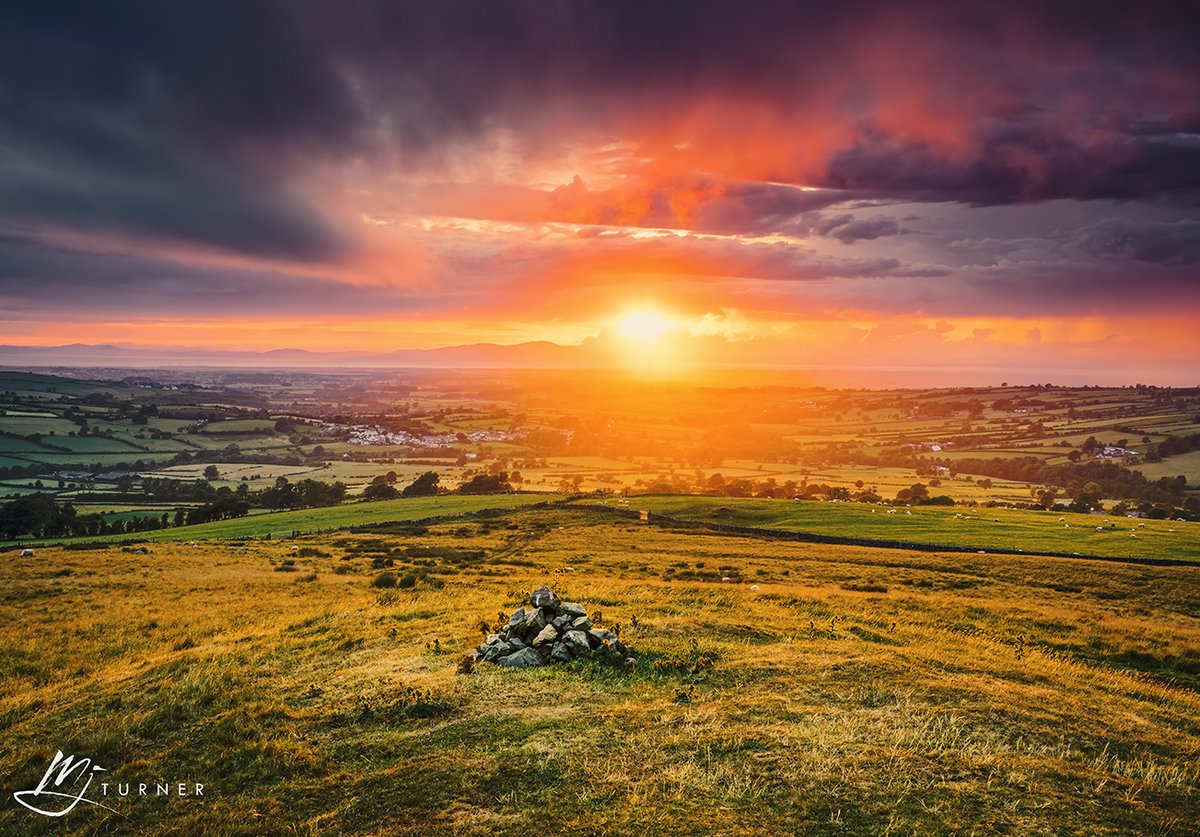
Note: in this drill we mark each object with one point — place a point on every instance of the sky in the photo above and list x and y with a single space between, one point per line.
986 186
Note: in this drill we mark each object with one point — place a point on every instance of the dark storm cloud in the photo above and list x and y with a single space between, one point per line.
1123 243
41 277
1165 242
848 229
193 122
1023 164
1071 290
764 208
191 201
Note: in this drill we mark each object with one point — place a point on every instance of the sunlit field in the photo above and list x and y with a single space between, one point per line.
966 528
846 689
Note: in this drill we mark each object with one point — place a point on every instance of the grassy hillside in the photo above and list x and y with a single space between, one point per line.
852 690
1029 531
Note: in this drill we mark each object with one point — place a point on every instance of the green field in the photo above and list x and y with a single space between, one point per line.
260 426
96 444
1028 531
61 460
1187 464
26 425
10 490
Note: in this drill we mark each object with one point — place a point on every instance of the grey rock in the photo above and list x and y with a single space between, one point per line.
562 622
577 642
521 659
516 642
545 597
581 624
573 608
492 639
547 634
560 653
602 635
517 618
535 620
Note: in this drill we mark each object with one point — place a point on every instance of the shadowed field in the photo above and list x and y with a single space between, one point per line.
850 690
302 521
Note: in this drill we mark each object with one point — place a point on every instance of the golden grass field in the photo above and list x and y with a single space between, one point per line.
854 690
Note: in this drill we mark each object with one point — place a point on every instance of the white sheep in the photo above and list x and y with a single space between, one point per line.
26 553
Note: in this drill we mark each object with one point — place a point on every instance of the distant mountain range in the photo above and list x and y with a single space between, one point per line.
530 355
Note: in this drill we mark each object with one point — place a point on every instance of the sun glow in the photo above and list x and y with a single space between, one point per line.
645 326
649 341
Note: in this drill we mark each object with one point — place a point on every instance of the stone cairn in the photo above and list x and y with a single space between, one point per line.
554 631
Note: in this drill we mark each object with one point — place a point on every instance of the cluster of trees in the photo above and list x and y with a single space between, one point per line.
427 485
39 515
1173 445
1110 479
944 409
305 494
233 453
283 494
487 484
18 471
382 488
918 495
223 508
717 485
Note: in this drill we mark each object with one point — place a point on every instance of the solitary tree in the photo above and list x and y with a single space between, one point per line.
380 491
425 485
